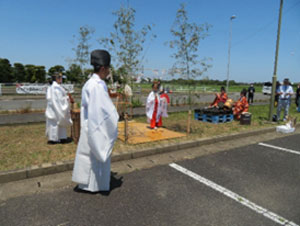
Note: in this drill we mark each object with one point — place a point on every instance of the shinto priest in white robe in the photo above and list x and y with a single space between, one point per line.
151 104
58 117
99 130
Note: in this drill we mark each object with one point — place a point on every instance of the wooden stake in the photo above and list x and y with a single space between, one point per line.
72 126
126 127
117 102
189 122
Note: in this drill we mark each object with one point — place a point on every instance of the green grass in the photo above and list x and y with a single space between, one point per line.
26 145
199 88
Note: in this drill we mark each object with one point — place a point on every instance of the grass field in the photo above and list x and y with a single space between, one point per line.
26 145
11 90
199 88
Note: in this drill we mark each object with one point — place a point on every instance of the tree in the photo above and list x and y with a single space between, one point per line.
6 74
74 73
40 74
82 46
127 43
187 39
19 72
30 73
119 75
56 68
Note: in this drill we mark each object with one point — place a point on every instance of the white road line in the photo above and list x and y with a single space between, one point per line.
273 216
279 148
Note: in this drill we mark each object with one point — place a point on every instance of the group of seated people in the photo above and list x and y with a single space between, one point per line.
238 107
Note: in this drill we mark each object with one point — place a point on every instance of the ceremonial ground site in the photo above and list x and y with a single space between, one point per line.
150 113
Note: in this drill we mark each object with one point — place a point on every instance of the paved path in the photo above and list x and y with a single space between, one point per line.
259 186
35 103
36 117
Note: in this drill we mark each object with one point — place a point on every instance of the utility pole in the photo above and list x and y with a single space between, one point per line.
229 47
274 79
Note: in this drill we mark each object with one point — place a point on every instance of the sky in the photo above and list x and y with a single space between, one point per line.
41 33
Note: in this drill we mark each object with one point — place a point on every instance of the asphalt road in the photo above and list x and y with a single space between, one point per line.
40 104
31 104
266 177
17 104
36 117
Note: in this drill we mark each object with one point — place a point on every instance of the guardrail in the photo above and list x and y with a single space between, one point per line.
34 89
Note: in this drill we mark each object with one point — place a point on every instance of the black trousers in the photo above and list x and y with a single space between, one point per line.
250 97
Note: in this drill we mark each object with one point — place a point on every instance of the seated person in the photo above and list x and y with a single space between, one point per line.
241 105
222 97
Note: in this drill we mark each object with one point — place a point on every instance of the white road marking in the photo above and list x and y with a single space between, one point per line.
273 216
279 148
63 224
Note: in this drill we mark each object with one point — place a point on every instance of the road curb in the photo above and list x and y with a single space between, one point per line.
62 166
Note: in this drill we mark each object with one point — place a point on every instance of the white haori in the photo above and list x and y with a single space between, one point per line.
99 131
150 106
164 107
58 116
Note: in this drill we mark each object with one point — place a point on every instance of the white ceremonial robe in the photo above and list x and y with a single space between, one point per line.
99 130
164 107
150 106
58 116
